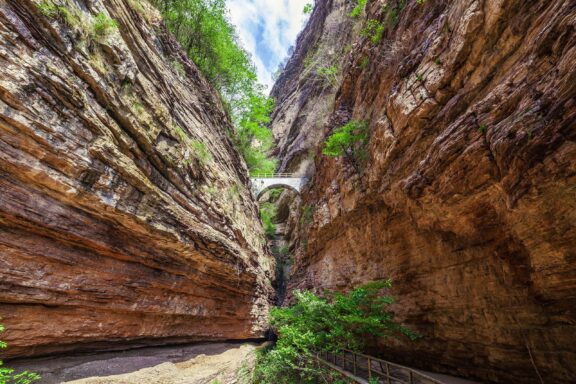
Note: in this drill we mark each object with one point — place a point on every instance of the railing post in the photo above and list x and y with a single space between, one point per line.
411 381
354 362
369 369
388 373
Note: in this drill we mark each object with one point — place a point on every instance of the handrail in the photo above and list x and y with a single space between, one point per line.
369 370
274 175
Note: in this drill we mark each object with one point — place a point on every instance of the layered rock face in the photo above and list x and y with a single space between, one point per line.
467 198
306 89
125 217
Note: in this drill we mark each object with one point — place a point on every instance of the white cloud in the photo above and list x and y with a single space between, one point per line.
267 28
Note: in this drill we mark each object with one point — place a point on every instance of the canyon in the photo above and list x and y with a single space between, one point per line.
127 218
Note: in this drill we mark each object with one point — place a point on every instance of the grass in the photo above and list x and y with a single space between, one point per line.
103 26
199 150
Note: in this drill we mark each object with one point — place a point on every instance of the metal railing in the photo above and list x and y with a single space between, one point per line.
274 175
368 369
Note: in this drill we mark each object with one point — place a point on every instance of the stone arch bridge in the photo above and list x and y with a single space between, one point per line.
265 181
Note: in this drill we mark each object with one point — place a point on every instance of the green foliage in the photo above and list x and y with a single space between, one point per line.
329 74
267 213
374 30
178 68
364 62
48 9
482 128
275 193
308 8
359 8
348 141
210 40
199 150
69 14
253 139
328 323
307 214
103 26
7 375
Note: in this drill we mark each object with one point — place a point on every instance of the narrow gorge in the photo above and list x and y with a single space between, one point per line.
129 217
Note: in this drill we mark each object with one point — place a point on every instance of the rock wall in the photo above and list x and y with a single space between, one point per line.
468 197
125 216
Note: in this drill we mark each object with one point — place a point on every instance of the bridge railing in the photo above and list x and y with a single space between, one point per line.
364 369
274 175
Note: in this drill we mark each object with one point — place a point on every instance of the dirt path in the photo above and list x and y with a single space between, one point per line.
193 364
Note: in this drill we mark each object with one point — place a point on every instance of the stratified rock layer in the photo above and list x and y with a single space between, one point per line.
125 217
468 197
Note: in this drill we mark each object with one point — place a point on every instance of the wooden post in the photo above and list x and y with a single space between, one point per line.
388 373
369 369
354 358
411 378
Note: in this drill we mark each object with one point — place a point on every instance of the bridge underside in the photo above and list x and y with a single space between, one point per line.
260 185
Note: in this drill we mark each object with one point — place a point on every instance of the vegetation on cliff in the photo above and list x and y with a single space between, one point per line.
209 39
328 323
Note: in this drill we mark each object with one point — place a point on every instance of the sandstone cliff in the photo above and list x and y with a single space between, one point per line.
125 216
468 197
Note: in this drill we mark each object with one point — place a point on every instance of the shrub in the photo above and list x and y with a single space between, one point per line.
330 323
374 30
7 375
348 141
359 8
308 8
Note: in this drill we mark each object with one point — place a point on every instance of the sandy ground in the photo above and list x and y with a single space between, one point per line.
225 368
222 363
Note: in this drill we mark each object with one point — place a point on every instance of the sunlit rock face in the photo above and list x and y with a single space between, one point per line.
125 213
468 197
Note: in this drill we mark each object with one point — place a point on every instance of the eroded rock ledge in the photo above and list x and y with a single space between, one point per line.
125 216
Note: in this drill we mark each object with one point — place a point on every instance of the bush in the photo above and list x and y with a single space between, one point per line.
7 375
308 8
359 8
330 323
348 141
374 30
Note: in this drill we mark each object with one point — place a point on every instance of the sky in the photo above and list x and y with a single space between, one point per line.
267 29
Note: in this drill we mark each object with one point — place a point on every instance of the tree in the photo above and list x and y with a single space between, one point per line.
348 141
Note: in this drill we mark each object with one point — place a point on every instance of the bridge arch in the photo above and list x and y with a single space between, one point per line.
262 183
279 185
